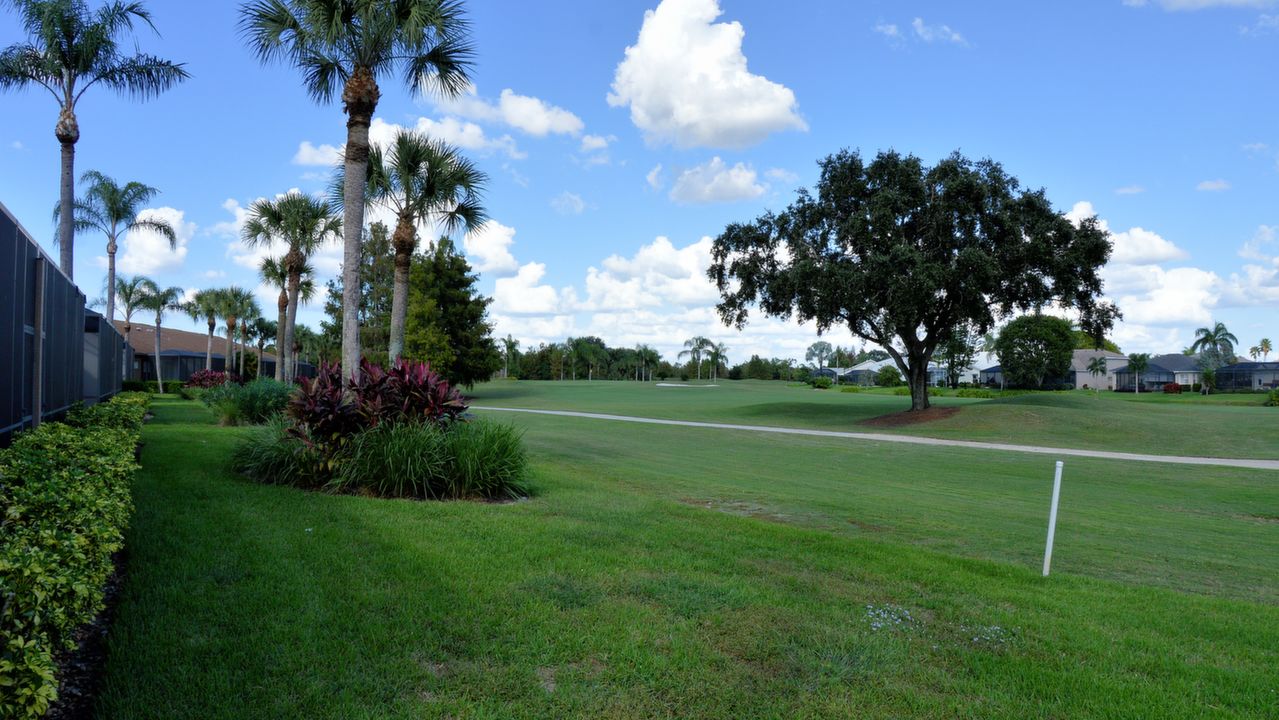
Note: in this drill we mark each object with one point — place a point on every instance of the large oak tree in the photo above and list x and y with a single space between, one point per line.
903 254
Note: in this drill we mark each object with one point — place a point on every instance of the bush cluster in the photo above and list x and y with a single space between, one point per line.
206 379
821 382
1272 400
396 433
64 504
251 403
1172 388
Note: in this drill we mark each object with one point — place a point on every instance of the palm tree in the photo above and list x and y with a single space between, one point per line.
236 303
1254 352
160 300
113 210
420 180
131 292
693 349
69 50
246 325
347 44
1216 340
1266 348
206 304
273 273
1137 364
263 329
716 353
650 358
818 351
1097 368
303 224
511 346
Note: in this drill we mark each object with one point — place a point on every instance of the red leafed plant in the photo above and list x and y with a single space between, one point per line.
206 379
1172 388
325 415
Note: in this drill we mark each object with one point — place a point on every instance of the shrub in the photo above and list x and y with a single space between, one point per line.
851 388
1172 388
478 459
1272 400
124 412
251 403
64 500
1196 387
325 417
206 379
270 455
821 382
888 376
192 393
901 391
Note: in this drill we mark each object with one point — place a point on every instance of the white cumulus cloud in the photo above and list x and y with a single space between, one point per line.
567 203
489 248
715 181
1133 246
936 33
686 82
321 155
1217 185
524 294
525 113
147 251
465 135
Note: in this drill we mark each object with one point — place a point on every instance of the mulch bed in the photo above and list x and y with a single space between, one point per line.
80 670
910 417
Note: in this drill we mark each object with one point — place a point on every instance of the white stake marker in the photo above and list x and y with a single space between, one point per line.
1052 518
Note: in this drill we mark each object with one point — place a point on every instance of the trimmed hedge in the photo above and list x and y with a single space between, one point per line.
64 505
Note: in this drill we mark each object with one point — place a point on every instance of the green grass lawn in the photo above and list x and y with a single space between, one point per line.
675 572
1215 426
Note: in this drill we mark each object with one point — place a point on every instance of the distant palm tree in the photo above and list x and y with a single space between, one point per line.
206 305
1216 339
160 300
69 50
694 347
1097 368
818 351
236 303
273 273
1137 364
131 291
716 353
420 180
303 224
511 346
113 210
1254 352
1266 348
346 45
263 329
649 359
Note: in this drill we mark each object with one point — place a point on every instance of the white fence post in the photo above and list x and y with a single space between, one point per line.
1052 518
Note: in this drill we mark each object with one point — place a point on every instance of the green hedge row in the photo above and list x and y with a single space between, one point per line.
64 505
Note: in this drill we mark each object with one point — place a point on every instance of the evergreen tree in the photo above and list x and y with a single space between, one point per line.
447 317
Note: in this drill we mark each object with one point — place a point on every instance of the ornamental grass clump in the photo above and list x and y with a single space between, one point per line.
252 403
398 432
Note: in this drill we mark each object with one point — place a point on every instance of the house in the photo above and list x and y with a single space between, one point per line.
939 375
864 373
183 352
1082 379
1247 376
992 376
1161 370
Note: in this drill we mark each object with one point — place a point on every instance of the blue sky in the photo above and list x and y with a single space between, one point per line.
619 136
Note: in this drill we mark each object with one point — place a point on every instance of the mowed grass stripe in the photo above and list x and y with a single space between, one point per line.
1151 423
610 594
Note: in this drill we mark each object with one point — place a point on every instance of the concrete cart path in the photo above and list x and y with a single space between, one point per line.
913 440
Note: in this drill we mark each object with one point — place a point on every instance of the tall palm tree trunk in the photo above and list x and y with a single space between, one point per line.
111 248
359 100
159 381
286 352
282 306
124 352
403 241
208 349
68 132
230 346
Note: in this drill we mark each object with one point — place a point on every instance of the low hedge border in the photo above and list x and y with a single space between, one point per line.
64 504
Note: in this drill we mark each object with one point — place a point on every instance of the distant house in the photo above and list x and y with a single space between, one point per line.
1083 379
1161 370
992 376
864 373
183 352
1249 376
